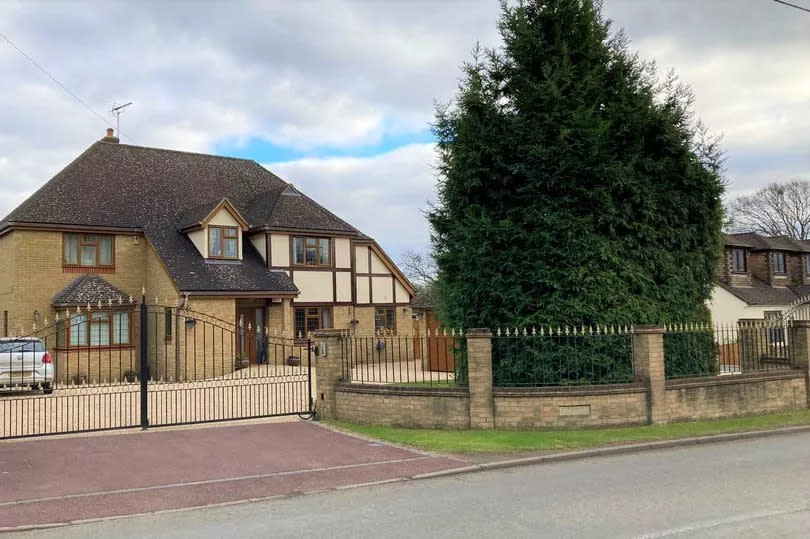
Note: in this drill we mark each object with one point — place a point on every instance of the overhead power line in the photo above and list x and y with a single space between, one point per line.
65 88
792 5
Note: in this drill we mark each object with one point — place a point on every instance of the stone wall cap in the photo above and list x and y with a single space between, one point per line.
648 329
478 332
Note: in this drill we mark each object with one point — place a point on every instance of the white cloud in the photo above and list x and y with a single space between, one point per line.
345 73
381 195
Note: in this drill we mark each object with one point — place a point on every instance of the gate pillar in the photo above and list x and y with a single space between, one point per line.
330 369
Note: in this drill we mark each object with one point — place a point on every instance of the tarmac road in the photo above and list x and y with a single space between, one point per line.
752 488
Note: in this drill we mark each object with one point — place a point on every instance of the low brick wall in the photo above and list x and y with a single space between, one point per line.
515 408
583 407
738 395
650 400
431 408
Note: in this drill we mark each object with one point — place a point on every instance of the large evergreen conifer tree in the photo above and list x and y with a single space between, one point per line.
574 185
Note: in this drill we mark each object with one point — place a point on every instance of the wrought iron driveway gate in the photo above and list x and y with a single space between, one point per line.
127 365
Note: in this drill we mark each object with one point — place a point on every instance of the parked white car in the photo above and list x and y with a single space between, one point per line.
25 362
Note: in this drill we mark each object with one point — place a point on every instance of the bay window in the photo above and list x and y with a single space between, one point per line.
99 330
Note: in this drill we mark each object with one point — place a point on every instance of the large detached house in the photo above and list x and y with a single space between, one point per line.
760 277
224 234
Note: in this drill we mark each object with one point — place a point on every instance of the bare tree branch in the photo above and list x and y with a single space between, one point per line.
776 210
420 268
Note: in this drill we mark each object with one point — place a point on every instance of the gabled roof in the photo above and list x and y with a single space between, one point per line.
160 191
88 288
752 240
199 216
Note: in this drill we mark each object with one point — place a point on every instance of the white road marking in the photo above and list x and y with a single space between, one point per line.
736 519
209 481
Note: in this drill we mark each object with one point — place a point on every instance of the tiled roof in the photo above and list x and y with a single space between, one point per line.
740 240
755 241
159 191
761 293
425 297
88 288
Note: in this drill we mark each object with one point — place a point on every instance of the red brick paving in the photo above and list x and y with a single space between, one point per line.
152 470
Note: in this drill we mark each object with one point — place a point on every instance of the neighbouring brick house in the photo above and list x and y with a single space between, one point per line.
224 236
759 277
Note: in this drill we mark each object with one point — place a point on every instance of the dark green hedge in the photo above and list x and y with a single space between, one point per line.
690 354
567 360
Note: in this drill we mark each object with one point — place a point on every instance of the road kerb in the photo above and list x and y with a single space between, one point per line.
617 450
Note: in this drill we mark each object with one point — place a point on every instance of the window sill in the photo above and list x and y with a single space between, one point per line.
88 269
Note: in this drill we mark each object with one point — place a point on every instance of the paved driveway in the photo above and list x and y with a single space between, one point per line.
57 480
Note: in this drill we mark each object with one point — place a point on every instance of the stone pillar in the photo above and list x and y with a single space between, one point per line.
800 350
648 358
329 369
479 367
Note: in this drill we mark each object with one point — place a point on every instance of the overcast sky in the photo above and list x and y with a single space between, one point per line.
336 96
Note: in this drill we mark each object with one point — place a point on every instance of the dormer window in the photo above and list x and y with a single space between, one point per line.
223 242
215 229
738 264
779 265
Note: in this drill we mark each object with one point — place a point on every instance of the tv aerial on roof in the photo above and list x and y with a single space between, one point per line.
116 110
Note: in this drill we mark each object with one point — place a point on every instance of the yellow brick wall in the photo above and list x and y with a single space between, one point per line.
397 407
160 294
532 408
7 273
538 408
343 315
208 348
39 277
734 396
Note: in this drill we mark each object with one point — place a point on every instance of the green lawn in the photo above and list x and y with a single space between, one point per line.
524 440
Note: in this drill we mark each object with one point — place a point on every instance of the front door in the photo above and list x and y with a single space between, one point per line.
246 332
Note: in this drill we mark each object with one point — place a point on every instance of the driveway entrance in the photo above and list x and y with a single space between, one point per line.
156 366
62 480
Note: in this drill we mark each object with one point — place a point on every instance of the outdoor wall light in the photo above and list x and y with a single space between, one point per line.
191 322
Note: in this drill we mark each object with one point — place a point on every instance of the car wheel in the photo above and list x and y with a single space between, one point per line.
34 387
47 389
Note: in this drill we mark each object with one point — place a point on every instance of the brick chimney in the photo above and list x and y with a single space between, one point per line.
110 136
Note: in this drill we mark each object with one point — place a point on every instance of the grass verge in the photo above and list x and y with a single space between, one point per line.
501 441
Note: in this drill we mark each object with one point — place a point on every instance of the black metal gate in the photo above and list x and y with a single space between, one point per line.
127 365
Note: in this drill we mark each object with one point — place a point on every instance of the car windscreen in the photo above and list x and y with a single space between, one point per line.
21 346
